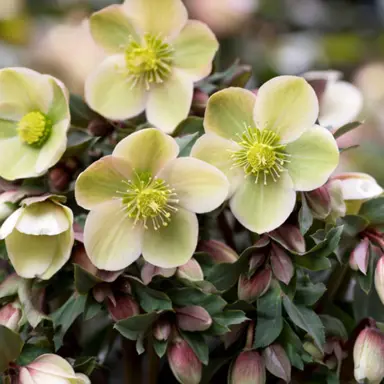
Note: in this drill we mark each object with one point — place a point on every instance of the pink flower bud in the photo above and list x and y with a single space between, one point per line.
162 329
289 236
184 363
219 251
190 271
199 101
277 362
123 307
281 263
59 179
319 202
360 256
100 127
256 260
368 356
193 318
149 271
251 289
379 278
10 316
248 368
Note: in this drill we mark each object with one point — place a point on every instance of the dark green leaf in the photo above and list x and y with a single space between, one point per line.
135 326
190 125
160 347
85 364
84 281
78 142
92 308
305 216
346 128
186 143
30 352
312 263
373 210
292 345
11 345
309 293
366 281
81 114
334 327
199 345
353 224
230 317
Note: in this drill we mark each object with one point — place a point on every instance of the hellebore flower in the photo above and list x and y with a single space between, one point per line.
39 237
156 56
34 119
143 200
269 147
51 368
249 367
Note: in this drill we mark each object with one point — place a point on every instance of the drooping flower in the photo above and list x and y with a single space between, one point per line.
156 56
51 368
34 119
39 236
269 147
143 200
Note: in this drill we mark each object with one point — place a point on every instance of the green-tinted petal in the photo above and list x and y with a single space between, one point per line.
314 156
147 150
53 365
11 222
165 18
102 181
7 129
286 105
172 246
32 256
195 49
11 112
229 112
217 151
199 186
169 103
108 92
262 208
59 108
112 29
111 240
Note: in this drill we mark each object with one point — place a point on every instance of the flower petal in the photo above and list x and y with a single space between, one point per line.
54 365
314 156
286 105
217 151
10 113
165 18
11 222
229 112
341 103
195 49
169 103
112 29
172 246
262 208
200 187
111 239
147 150
59 108
101 181
109 93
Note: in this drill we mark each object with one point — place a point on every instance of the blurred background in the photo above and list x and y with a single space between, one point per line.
272 36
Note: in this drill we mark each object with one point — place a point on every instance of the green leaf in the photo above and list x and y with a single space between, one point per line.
11 346
190 125
230 317
30 352
292 345
269 318
312 263
81 114
160 347
133 327
198 343
186 143
92 308
365 281
84 281
78 142
85 364
373 210
309 293
307 320
353 224
334 327
305 216
65 316
347 128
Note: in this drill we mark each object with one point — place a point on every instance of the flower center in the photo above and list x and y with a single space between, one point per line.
149 62
34 129
149 198
261 154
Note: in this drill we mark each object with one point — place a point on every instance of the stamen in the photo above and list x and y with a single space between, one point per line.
34 129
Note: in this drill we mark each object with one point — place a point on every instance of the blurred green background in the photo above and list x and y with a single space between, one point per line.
273 36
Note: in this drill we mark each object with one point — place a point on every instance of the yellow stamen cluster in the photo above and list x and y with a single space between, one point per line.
149 62
261 154
147 198
34 129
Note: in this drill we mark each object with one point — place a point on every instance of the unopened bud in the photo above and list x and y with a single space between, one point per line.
368 356
190 271
185 365
256 260
290 237
199 101
162 329
149 271
59 179
379 278
320 79
360 256
281 263
102 291
10 316
277 362
193 318
124 307
100 127
248 368
319 202
219 251
251 289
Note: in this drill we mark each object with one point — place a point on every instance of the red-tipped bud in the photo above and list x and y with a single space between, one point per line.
190 271
251 289
193 318
360 256
102 291
379 278
199 101
123 307
219 251
149 271
248 368
185 365
10 316
277 362
368 356
319 201
59 179
100 127
281 263
162 329
289 236
256 260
